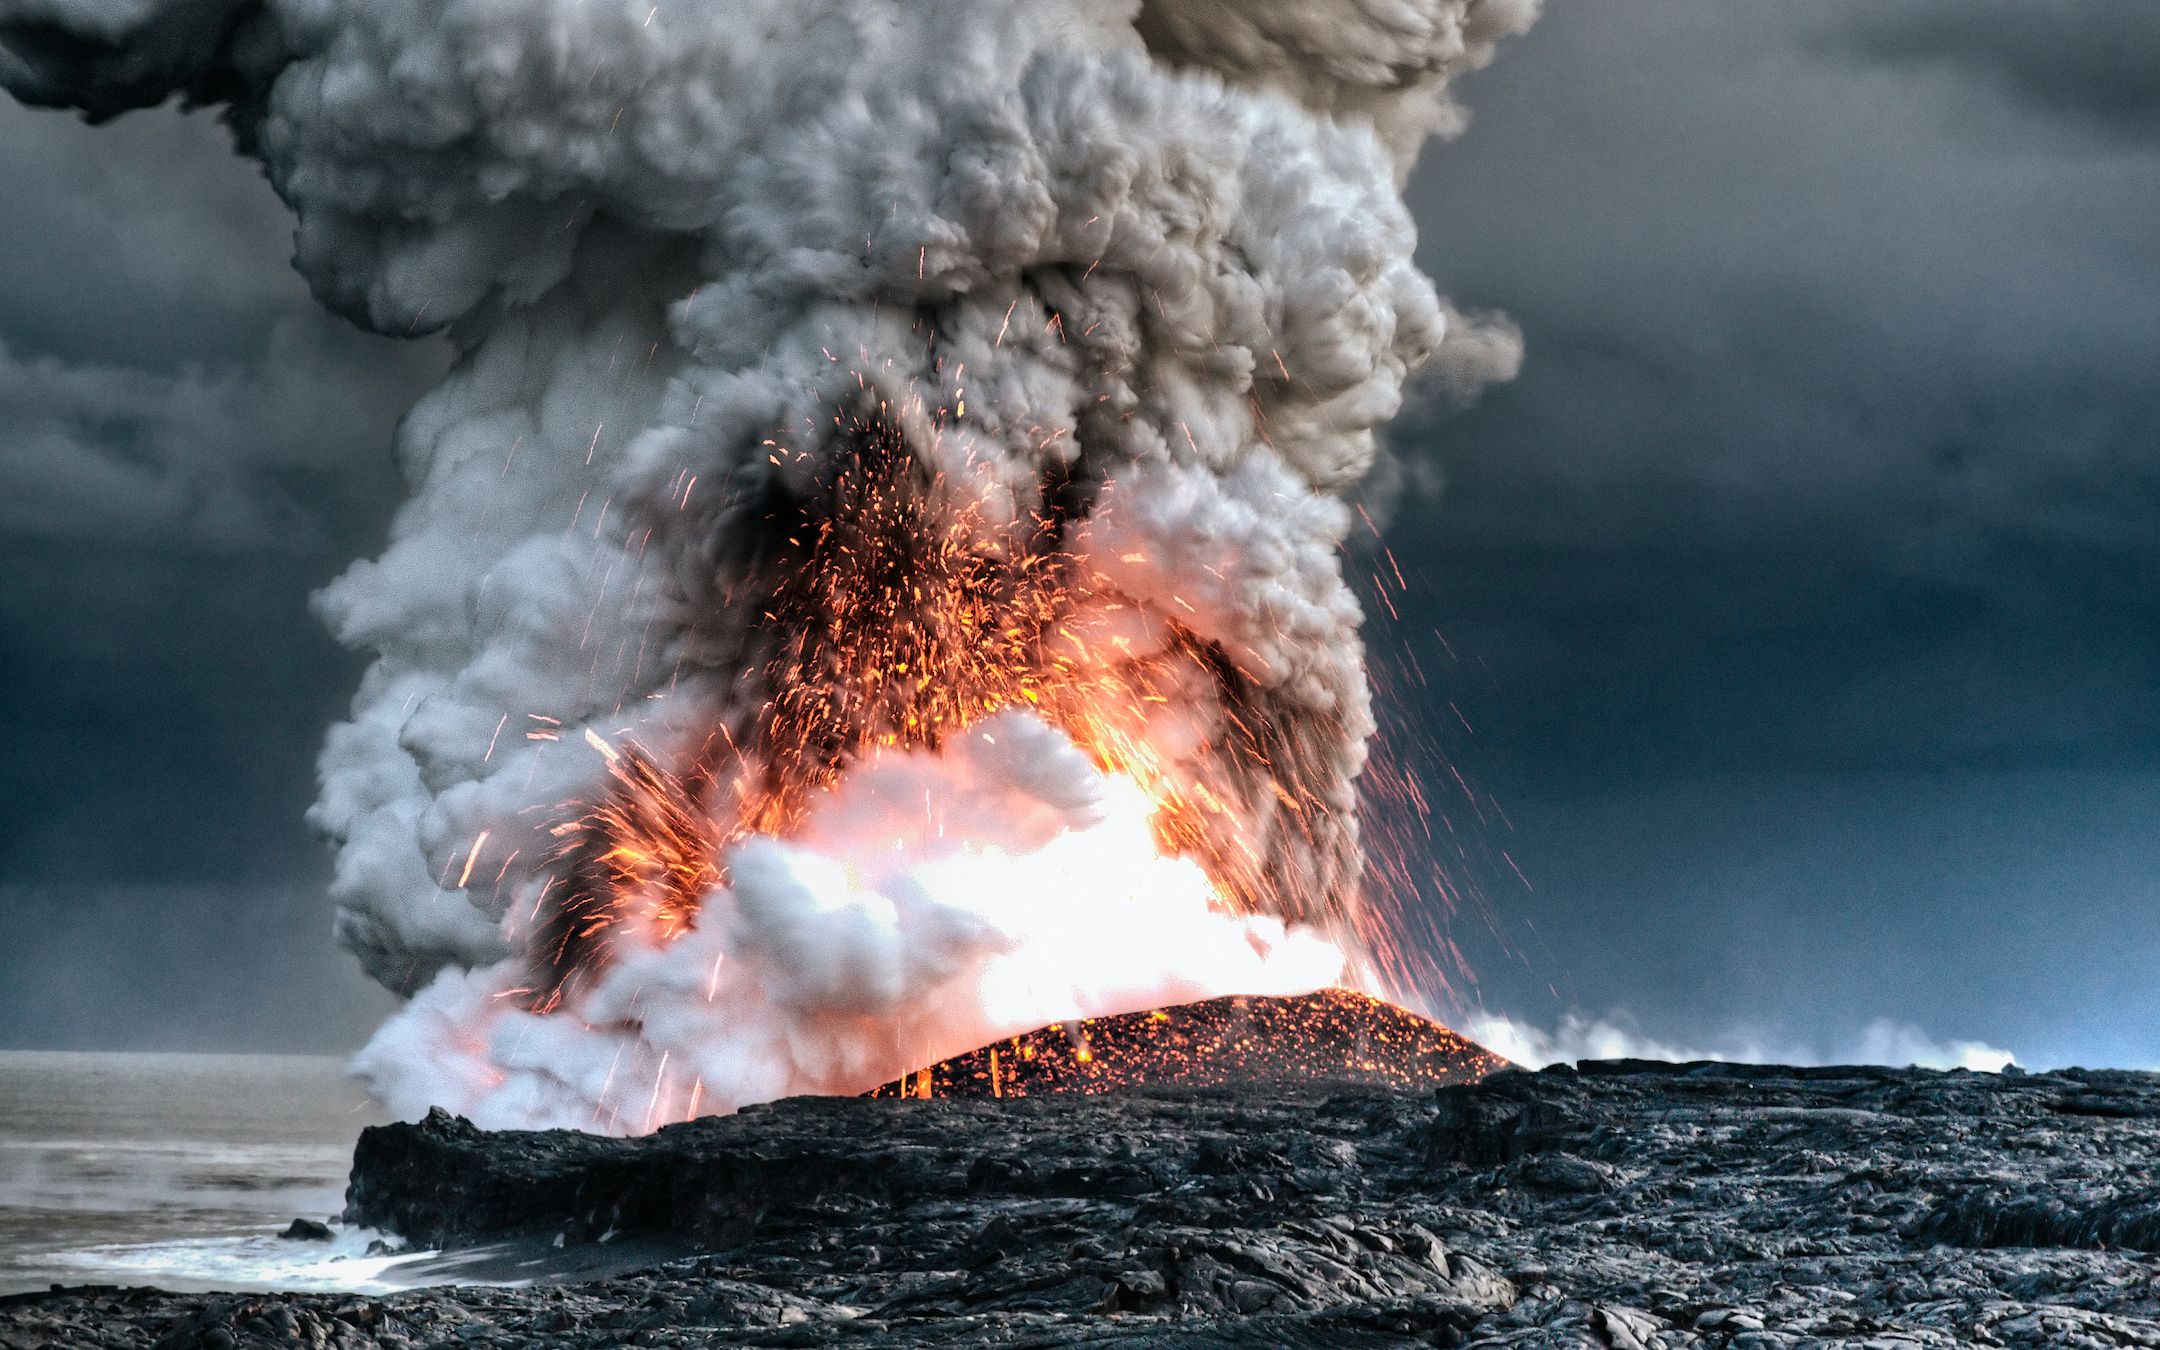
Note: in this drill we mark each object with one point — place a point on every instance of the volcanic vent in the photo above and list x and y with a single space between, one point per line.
1334 1036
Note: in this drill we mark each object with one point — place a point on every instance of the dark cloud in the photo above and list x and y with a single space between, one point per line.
1835 444
165 378
188 448
263 451
96 966
161 711
2015 908
1804 592
144 243
2096 64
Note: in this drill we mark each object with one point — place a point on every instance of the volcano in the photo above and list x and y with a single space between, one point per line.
877 578
1334 1036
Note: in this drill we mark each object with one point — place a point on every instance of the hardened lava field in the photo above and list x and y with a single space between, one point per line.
1334 1036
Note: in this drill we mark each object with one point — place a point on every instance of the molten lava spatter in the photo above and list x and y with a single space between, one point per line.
904 604
1334 1036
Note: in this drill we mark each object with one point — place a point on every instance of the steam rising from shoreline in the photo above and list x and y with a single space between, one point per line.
1884 1041
1129 287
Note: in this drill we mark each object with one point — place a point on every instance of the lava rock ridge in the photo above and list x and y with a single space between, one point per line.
1620 1204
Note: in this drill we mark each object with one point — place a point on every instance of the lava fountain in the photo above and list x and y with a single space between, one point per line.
872 585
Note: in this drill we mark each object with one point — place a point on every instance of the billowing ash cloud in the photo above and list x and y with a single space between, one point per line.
887 434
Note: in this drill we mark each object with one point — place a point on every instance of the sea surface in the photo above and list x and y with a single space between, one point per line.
179 1171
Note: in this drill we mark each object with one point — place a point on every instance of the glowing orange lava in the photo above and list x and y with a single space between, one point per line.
1332 1036
901 605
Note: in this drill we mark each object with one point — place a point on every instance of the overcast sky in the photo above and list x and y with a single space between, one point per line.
1803 593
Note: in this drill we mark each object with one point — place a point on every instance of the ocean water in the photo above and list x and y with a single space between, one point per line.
179 1171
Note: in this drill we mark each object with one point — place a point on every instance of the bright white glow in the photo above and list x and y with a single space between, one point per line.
933 903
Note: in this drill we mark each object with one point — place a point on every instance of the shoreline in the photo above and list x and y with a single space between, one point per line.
1625 1203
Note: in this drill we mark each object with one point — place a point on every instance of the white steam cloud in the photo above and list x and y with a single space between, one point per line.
1129 285
881 937
1577 1038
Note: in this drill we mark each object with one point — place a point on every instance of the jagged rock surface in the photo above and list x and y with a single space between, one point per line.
1628 1205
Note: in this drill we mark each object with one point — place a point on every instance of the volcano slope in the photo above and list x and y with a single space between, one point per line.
1619 1204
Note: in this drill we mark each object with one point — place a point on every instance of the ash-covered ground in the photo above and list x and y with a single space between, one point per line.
1624 1204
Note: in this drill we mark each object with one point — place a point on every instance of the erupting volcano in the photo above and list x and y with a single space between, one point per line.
873 580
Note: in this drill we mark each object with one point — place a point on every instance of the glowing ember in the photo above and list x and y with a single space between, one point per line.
1332 1036
904 605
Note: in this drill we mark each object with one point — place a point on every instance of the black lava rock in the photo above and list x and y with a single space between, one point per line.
1624 1205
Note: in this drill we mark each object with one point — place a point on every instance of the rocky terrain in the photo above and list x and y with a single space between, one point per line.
1621 1205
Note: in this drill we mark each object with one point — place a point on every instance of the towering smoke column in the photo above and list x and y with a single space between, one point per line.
871 583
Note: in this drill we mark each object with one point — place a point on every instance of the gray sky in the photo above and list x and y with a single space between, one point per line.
1801 592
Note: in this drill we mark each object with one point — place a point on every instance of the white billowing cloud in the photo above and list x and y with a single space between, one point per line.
1899 1043
932 903
1577 1037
